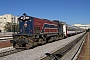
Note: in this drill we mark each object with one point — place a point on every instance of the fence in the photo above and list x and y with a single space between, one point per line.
6 34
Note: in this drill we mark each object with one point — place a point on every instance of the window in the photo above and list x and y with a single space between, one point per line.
0 19
12 18
0 23
49 26
4 18
55 26
45 25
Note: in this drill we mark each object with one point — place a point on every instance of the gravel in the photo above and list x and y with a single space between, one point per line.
38 52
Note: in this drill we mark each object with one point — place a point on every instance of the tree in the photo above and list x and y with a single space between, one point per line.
7 27
11 27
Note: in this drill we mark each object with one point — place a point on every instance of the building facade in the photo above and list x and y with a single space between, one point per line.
84 26
7 18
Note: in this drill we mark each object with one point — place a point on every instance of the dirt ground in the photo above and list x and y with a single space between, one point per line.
5 44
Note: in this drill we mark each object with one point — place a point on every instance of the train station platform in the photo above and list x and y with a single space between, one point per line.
85 52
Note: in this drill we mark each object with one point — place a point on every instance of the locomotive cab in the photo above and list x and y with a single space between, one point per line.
25 31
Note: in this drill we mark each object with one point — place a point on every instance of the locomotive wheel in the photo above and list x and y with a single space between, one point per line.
57 38
51 39
16 46
44 41
61 37
27 46
54 38
30 45
41 41
35 43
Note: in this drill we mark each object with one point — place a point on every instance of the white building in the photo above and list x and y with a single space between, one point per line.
84 26
7 18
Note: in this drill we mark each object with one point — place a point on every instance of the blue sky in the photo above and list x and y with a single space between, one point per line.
69 11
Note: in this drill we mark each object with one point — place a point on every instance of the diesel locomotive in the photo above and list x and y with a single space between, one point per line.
35 31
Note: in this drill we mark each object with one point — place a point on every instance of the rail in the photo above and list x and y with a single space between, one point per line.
61 52
9 52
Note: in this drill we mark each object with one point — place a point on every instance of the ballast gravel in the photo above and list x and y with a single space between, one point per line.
39 52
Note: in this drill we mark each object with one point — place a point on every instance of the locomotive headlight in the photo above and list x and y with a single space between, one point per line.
21 18
25 18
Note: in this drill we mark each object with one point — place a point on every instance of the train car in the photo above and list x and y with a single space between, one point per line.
34 31
73 30
69 30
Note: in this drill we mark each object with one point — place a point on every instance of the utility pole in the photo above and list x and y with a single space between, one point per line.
11 24
14 24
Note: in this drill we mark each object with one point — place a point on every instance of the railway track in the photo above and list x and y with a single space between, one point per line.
38 52
61 52
9 52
